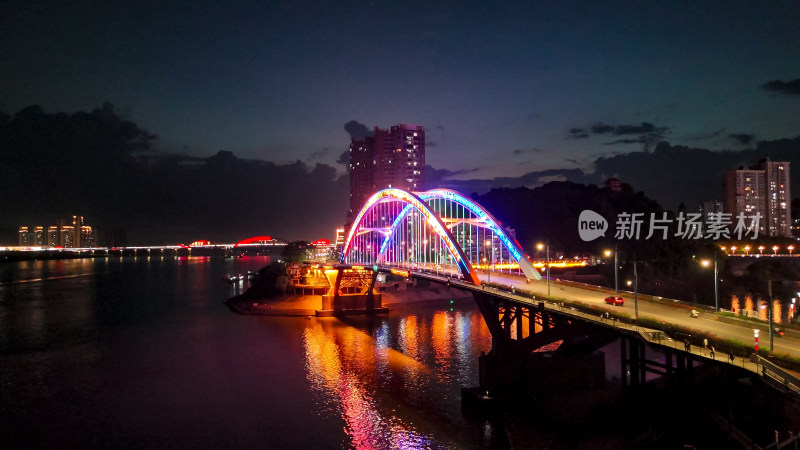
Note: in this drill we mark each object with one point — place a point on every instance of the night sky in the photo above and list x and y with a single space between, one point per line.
528 93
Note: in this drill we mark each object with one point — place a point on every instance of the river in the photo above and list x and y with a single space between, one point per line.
141 352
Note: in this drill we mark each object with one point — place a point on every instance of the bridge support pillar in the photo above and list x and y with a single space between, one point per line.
513 370
352 293
633 363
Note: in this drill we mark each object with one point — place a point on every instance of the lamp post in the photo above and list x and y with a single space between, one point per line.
546 247
489 261
616 268
635 293
706 263
769 310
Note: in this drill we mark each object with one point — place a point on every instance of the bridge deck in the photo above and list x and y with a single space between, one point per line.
654 337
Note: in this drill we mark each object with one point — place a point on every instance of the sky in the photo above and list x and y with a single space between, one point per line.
503 89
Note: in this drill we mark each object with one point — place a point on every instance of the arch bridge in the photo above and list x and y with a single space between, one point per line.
437 230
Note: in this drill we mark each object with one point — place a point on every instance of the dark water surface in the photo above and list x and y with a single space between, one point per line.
141 352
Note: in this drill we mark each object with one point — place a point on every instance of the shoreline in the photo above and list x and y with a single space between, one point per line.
309 305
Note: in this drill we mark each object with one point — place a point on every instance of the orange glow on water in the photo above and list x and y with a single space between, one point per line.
339 362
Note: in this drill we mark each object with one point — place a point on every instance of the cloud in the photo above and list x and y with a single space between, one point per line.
430 143
344 158
434 176
572 161
648 133
526 150
601 128
781 87
578 133
625 141
357 130
442 178
705 136
439 127
319 154
620 130
742 138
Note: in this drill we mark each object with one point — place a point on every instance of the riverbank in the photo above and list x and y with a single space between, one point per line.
410 297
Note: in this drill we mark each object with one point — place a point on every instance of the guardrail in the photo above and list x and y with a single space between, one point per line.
771 371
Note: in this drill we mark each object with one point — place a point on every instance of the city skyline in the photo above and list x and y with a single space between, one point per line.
512 96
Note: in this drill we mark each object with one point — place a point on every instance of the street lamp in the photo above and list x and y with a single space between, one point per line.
491 261
547 248
707 263
635 293
747 250
775 249
761 249
733 249
616 267
766 305
790 248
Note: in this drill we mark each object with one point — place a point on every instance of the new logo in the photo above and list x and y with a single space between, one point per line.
591 225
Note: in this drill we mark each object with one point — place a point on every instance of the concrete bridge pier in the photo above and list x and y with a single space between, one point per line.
352 292
566 359
677 368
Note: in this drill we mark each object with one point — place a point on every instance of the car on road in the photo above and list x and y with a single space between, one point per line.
615 300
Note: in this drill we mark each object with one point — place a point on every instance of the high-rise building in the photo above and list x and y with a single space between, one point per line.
339 242
77 224
712 206
762 190
53 236
386 158
66 236
38 237
25 237
779 201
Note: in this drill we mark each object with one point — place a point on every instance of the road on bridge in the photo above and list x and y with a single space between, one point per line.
677 314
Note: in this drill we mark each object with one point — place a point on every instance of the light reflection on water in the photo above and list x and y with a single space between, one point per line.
394 380
97 348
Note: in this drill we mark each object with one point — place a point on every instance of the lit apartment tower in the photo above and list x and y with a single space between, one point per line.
53 236
66 236
388 158
400 161
763 190
25 238
362 169
38 237
77 224
86 237
779 201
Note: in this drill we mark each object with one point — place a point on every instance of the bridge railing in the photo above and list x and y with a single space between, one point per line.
775 373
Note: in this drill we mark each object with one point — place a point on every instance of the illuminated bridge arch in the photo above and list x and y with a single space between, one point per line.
439 229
